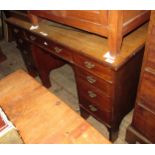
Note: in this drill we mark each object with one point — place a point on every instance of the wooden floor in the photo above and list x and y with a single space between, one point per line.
64 86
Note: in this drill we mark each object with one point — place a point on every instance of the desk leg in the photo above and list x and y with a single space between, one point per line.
113 134
2 56
45 63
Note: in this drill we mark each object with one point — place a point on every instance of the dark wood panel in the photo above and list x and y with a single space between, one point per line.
143 122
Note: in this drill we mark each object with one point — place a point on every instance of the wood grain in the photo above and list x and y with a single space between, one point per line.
40 116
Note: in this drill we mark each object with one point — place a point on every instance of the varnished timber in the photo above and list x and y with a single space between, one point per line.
40 116
143 124
90 45
113 24
103 87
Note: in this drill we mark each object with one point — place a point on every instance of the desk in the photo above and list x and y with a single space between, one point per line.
106 89
40 116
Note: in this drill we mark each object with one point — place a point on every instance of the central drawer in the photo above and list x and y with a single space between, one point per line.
94 67
50 46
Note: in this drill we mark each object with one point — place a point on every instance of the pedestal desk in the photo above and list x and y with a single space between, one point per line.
106 87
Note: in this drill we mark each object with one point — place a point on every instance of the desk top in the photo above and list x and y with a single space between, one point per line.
87 43
40 116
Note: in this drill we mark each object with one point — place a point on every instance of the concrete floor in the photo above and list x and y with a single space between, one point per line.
63 85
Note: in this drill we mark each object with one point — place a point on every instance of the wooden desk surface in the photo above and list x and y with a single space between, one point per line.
86 43
40 116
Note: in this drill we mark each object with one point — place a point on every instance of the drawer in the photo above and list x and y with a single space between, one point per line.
94 95
147 90
50 46
144 122
93 80
94 67
101 115
18 33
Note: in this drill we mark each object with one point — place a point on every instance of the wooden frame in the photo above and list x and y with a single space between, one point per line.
113 24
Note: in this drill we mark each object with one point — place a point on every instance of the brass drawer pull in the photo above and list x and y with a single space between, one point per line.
92 108
89 65
57 49
16 30
32 38
90 79
91 94
45 43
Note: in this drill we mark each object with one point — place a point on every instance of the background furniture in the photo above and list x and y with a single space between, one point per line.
41 117
142 128
113 24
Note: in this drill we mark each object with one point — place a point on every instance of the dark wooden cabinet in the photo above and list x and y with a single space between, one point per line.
103 84
143 125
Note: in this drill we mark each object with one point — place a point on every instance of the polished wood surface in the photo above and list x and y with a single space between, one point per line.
113 24
41 117
90 45
103 87
143 124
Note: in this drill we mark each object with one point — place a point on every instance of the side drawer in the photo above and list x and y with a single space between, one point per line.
17 32
50 46
93 80
94 96
101 115
147 90
94 67
143 121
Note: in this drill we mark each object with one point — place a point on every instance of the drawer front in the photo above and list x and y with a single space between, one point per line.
17 32
147 90
93 80
94 67
144 122
94 95
101 115
51 47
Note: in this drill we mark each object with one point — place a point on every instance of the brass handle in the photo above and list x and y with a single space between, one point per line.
16 30
91 94
45 43
90 79
57 49
92 108
89 65
32 38
20 40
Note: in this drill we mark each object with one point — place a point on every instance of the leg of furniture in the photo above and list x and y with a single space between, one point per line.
113 134
2 56
45 63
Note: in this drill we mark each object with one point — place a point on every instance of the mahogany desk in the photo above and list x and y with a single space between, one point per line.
106 88
40 116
